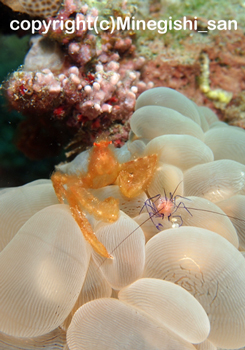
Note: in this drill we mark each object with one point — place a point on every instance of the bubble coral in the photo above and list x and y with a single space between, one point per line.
183 288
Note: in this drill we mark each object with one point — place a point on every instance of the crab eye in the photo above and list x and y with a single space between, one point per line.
102 144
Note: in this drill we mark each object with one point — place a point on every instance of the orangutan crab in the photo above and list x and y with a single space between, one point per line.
132 177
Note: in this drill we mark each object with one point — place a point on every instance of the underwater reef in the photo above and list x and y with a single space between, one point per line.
80 84
168 207
137 239
75 85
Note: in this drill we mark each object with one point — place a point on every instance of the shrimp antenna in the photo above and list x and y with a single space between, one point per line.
156 211
172 194
129 235
222 214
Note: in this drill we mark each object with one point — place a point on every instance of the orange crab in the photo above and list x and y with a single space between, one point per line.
132 177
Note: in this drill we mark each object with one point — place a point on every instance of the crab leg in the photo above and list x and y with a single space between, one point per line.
135 175
87 231
107 210
73 198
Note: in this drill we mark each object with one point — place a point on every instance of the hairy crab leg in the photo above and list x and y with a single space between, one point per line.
107 210
59 181
85 226
88 233
135 175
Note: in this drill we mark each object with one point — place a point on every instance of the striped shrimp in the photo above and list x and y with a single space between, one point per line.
161 207
180 210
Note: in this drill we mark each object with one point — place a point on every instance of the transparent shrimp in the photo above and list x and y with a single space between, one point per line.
161 207
167 207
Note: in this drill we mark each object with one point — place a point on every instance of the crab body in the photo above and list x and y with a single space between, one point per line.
133 177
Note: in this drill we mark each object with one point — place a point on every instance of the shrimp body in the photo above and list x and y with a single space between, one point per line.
165 206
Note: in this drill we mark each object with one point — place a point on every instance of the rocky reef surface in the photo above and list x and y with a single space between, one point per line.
75 86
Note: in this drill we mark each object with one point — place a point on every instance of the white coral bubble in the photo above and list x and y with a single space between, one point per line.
208 267
41 284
